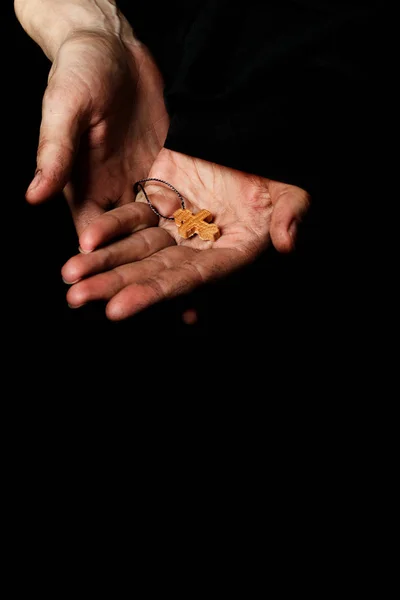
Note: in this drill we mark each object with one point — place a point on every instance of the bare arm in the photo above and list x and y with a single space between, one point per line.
50 22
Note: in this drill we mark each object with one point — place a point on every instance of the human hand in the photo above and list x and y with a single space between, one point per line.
103 123
132 259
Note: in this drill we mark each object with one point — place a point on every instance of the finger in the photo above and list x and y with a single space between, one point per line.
163 199
63 117
105 285
99 181
84 211
134 248
168 283
116 223
288 212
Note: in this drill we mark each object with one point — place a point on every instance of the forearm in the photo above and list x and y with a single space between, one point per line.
50 22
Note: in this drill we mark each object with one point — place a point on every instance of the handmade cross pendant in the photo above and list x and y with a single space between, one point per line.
188 224
200 223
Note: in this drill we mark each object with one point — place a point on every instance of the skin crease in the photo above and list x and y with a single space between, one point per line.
103 127
103 123
147 263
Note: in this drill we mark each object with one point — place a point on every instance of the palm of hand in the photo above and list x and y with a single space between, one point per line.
123 139
110 96
240 203
153 263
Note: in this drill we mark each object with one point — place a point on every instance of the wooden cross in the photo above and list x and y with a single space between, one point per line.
189 224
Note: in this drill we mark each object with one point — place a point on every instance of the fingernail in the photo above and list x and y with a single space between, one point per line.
82 251
35 181
70 282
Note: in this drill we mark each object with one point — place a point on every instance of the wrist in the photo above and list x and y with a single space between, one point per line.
50 22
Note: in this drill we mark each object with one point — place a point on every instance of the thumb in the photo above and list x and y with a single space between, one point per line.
60 130
289 210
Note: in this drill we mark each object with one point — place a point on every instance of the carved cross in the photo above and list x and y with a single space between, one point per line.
188 224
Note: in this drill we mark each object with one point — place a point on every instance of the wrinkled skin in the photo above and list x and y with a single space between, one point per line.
104 125
132 259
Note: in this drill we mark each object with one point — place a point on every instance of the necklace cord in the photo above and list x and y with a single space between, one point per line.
139 184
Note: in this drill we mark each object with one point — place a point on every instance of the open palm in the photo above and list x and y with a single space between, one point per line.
131 258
